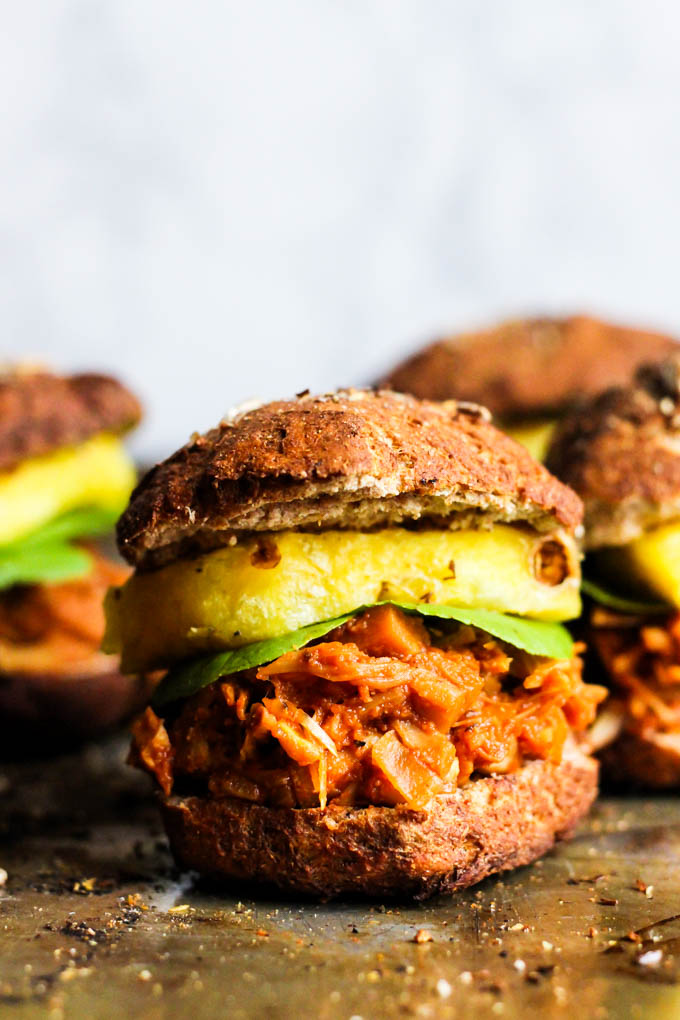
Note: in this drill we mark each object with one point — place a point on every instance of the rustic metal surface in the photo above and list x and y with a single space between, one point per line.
96 923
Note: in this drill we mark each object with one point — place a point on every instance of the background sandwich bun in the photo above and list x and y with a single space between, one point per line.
527 368
620 451
43 712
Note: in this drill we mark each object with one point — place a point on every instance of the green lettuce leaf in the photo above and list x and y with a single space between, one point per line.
83 522
620 603
539 637
189 677
47 555
47 564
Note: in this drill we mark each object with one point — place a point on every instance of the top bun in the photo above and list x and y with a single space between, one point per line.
41 412
352 459
529 367
621 452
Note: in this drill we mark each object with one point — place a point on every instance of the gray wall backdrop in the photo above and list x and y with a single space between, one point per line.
237 199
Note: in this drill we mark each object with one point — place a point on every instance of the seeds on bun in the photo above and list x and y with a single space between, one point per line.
351 460
358 600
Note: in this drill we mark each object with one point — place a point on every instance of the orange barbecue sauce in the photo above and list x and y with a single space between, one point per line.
643 661
56 628
378 713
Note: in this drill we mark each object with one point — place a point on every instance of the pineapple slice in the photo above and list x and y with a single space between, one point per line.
273 584
649 566
95 473
535 436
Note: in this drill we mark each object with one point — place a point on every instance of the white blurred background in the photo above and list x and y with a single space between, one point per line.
231 199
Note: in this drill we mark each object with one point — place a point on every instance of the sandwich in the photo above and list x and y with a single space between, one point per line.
621 452
529 372
64 479
358 600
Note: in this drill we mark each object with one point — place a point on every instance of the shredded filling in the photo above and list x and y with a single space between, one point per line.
56 627
643 661
383 711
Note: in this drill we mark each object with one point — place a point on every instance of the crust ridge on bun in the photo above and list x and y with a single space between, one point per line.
488 825
529 367
41 412
621 452
353 459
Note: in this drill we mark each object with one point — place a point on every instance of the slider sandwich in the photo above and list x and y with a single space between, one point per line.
64 479
529 372
358 600
621 453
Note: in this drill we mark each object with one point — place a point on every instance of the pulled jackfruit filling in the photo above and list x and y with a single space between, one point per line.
641 654
265 586
642 660
57 628
384 711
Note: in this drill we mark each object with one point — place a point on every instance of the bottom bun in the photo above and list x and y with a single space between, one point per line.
651 761
42 712
488 825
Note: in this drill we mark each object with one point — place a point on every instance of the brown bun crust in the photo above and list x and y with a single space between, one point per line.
529 367
651 761
488 825
351 459
621 452
41 412
47 711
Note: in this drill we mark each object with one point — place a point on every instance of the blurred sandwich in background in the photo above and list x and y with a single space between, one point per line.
529 372
620 451
64 478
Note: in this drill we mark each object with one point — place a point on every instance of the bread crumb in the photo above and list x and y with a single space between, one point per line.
560 994
652 958
423 935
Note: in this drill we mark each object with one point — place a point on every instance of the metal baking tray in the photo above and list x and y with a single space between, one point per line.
96 922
